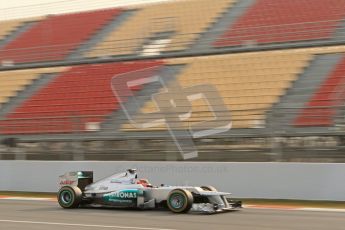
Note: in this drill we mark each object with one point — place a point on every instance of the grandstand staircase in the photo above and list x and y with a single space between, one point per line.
282 115
340 32
156 43
100 35
225 20
26 93
16 32
118 118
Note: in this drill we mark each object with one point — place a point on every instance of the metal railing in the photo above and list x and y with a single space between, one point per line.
274 139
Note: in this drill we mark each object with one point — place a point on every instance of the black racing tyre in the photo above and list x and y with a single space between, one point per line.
69 197
209 188
180 200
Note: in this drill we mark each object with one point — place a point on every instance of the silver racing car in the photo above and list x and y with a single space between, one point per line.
125 190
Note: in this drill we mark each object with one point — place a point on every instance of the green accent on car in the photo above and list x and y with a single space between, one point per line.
123 195
177 200
81 175
66 197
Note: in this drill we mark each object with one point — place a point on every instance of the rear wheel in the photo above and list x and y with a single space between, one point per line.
180 200
69 197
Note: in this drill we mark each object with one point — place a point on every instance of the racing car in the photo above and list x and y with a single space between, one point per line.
125 190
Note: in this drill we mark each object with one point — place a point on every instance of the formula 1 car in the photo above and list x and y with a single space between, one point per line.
125 190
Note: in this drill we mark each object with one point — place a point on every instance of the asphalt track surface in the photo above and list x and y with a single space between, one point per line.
47 215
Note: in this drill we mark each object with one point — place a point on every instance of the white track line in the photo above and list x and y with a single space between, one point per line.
82 225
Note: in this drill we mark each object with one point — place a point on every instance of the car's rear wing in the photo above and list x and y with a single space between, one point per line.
78 178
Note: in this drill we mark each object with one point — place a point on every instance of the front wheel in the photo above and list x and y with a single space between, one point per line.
69 197
180 200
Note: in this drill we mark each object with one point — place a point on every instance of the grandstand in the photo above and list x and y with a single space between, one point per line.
165 23
280 74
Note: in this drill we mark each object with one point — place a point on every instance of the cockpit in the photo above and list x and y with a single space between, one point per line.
129 177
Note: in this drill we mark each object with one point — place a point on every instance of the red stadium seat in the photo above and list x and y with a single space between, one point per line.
73 99
56 37
321 108
273 21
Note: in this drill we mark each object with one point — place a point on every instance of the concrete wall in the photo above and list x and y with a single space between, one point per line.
306 181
